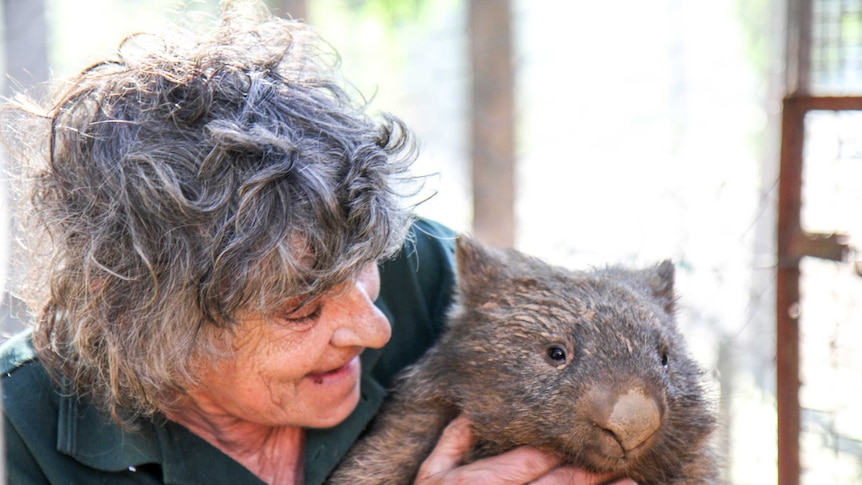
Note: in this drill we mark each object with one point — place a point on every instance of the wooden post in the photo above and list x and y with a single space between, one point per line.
788 230
787 294
493 125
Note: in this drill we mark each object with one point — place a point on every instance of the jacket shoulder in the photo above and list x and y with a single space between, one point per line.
16 351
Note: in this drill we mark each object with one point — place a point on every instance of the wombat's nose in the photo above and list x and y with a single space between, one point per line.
633 418
630 417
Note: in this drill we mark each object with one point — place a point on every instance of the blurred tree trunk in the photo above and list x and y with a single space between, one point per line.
25 44
26 52
493 125
293 8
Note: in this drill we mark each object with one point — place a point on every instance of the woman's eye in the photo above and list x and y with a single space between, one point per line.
556 355
303 314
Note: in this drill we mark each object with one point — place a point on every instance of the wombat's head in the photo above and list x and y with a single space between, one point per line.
587 364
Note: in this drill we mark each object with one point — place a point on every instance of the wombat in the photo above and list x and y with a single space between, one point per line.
588 365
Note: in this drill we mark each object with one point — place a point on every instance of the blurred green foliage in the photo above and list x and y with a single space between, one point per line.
392 12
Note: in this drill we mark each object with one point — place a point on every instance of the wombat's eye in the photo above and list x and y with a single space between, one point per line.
556 355
664 359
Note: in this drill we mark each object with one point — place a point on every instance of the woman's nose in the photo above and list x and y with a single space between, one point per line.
368 329
361 324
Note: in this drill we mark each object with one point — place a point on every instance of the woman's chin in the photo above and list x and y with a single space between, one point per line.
335 393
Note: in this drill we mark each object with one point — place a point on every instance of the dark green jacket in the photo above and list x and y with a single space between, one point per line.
56 438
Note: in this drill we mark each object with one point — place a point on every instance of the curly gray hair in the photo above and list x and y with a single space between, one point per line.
188 181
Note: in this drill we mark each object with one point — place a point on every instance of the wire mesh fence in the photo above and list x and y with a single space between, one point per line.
836 46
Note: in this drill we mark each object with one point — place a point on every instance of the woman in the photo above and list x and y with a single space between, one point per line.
228 258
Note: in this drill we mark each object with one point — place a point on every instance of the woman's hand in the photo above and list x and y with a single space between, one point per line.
519 466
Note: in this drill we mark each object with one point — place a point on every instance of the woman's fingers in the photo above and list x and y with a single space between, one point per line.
519 466
577 476
453 445
443 465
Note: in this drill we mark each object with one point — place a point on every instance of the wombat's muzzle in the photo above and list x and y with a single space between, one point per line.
623 419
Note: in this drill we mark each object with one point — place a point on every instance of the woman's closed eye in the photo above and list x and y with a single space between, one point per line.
306 313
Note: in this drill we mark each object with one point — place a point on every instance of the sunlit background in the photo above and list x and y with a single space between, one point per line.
646 130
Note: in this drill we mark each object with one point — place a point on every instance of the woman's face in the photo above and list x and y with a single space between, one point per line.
300 367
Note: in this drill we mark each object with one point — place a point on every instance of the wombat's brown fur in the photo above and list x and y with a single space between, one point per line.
589 365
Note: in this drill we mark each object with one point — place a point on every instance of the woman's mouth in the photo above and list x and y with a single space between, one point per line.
338 373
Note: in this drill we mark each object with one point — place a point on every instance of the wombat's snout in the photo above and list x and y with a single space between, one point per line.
623 419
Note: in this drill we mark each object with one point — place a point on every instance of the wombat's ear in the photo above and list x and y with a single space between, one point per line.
476 262
660 281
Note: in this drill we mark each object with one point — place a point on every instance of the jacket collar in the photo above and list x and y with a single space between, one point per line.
94 440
